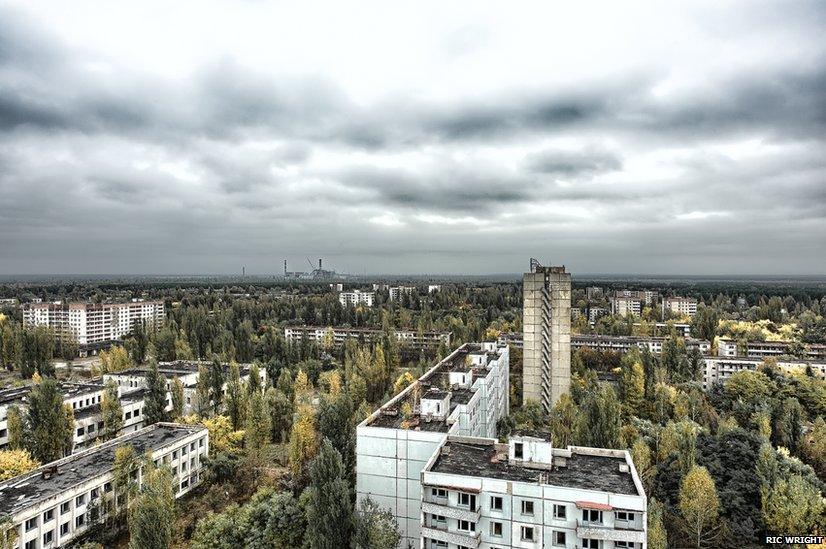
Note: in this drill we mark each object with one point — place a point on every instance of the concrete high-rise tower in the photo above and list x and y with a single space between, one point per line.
546 324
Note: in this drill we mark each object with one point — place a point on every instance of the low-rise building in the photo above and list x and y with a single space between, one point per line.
464 394
356 298
719 368
411 339
594 293
624 344
764 349
482 494
594 313
52 505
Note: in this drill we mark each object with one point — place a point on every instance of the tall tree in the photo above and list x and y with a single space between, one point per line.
699 506
258 427
600 419
16 428
328 501
155 403
177 398
152 512
657 537
111 411
235 397
51 423
216 377
281 414
632 384
303 443
563 421
793 505
202 389
335 423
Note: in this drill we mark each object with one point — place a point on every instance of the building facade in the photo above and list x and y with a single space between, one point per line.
546 322
682 306
356 298
53 505
464 394
765 349
93 326
525 494
396 292
721 368
410 338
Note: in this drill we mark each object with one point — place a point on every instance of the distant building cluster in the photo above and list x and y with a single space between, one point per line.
93 326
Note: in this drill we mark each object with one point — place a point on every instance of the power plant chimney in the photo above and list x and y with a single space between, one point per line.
319 263
285 267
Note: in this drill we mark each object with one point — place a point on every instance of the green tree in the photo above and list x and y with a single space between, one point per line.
563 421
177 398
657 536
16 428
788 420
704 324
152 513
216 377
254 381
303 443
235 397
202 389
258 429
335 423
600 419
792 505
632 384
328 501
155 403
286 521
111 411
124 476
51 423
376 528
281 414
699 506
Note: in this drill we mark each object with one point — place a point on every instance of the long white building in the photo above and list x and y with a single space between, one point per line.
764 349
410 338
721 368
50 506
93 325
464 394
683 306
525 494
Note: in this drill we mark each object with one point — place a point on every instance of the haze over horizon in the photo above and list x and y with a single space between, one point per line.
461 138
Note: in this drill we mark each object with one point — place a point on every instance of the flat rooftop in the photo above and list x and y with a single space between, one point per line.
66 388
21 492
583 471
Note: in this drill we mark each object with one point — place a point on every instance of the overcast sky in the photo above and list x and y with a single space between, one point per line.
417 137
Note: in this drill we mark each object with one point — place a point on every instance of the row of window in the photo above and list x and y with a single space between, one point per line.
559 539
527 507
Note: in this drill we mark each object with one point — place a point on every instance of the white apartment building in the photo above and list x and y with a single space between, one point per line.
409 338
356 298
764 349
337 287
722 368
623 344
397 291
434 288
93 325
594 313
683 306
594 293
623 306
50 506
464 394
525 494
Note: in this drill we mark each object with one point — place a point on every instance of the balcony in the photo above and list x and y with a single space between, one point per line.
594 530
469 539
451 512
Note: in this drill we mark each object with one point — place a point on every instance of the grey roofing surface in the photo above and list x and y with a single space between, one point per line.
21 492
582 471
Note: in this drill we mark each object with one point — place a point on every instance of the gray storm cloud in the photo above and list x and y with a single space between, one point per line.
483 143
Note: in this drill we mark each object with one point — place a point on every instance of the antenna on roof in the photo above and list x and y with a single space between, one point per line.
535 264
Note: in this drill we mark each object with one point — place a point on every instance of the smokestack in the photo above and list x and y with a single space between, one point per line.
243 271
319 263
285 267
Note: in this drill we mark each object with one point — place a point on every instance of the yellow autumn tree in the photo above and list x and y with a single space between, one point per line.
16 462
699 506
403 382
303 442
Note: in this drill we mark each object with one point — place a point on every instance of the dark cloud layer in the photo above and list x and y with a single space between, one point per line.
106 166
